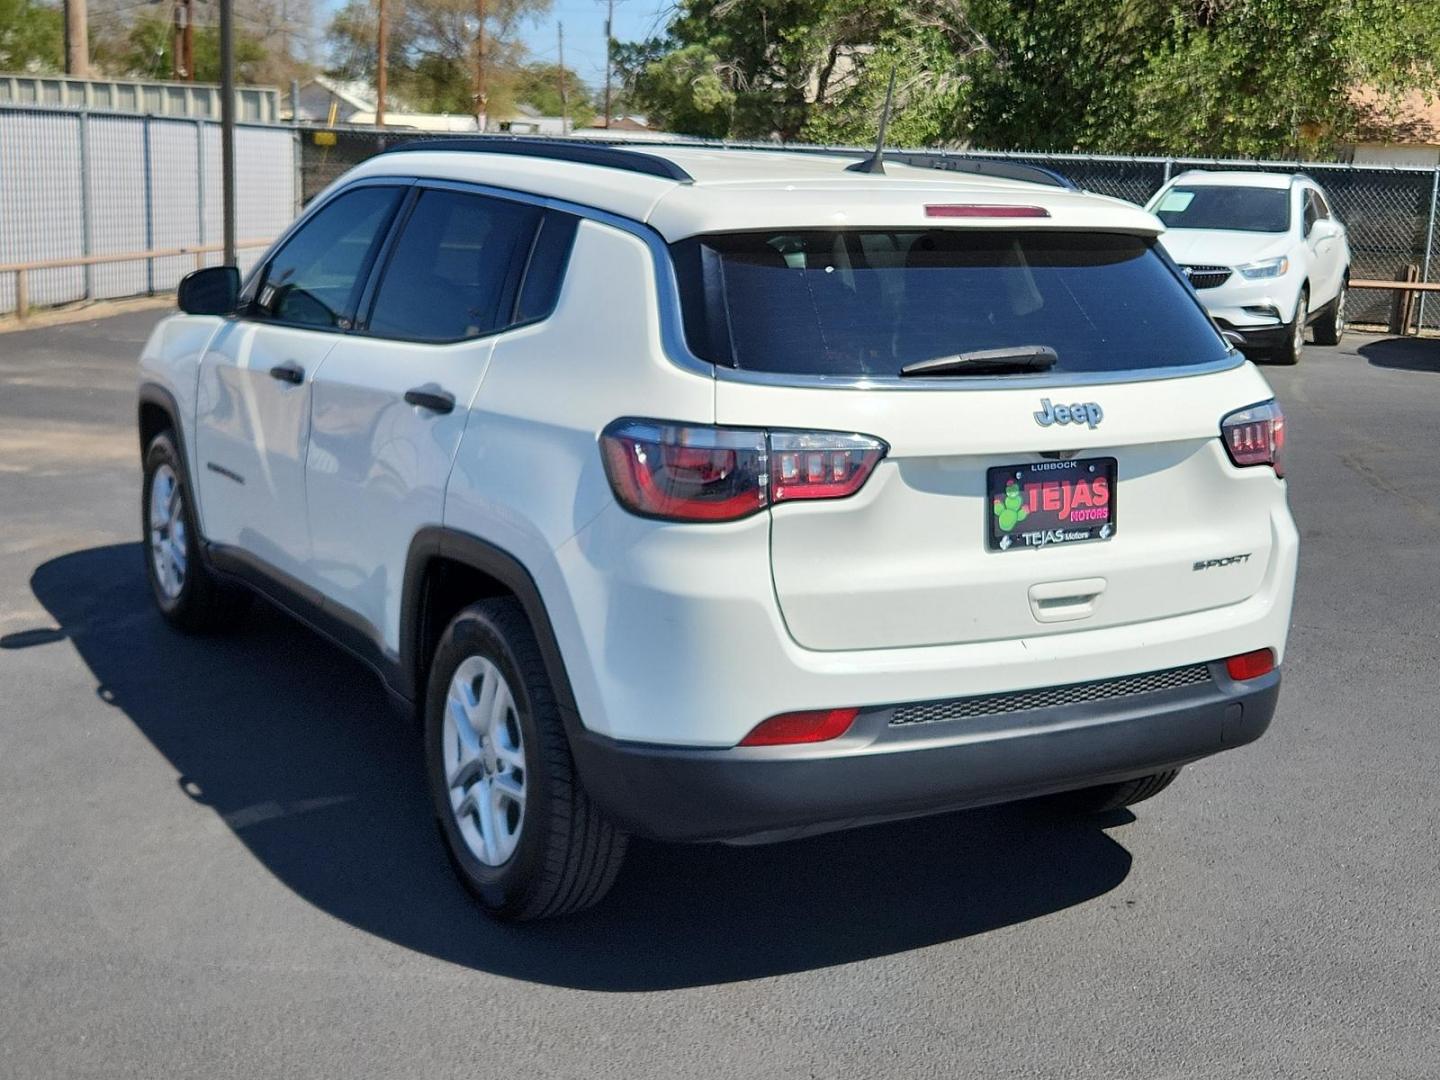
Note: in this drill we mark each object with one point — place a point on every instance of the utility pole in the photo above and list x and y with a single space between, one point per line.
609 37
564 100
227 124
382 46
182 60
77 39
480 92
189 42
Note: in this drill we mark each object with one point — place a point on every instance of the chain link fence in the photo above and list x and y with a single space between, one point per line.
1390 212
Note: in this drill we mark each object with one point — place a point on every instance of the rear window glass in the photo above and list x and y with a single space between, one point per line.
866 302
1241 209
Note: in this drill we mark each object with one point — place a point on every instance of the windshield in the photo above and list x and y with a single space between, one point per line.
1242 209
870 302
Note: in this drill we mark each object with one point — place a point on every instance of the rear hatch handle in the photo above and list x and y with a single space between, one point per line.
1065 601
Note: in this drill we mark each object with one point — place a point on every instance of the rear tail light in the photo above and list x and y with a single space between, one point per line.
680 472
819 725
1250 665
1256 436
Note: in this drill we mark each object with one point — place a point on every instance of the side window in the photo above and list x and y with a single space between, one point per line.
315 279
546 271
1322 208
1310 212
455 268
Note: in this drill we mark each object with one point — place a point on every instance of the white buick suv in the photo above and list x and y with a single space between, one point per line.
1264 252
730 495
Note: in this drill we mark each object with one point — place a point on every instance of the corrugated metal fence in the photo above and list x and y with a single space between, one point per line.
85 183
1390 212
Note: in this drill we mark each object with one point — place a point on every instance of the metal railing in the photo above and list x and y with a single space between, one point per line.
22 271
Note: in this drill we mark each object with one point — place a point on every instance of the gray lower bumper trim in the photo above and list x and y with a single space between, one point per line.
878 772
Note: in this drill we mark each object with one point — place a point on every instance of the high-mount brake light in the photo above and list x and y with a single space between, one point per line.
787 729
684 472
1256 436
984 210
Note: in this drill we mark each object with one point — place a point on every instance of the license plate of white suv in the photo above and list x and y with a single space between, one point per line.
1050 503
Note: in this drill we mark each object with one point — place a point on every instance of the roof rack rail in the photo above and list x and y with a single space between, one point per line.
610 157
1008 170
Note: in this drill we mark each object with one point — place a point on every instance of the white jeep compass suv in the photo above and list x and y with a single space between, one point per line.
730 495
1265 254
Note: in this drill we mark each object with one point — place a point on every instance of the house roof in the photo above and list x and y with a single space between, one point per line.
1412 120
356 94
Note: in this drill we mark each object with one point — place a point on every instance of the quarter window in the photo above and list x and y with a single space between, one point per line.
455 268
315 278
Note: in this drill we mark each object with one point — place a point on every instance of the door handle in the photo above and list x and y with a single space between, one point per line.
432 398
291 373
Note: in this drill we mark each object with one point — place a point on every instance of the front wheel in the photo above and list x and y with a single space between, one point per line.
521 832
1330 327
1294 346
186 592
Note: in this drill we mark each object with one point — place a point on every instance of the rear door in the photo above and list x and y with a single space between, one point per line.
253 414
1010 504
392 401
1323 235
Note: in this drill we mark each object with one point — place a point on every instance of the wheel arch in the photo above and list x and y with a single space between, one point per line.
445 571
158 411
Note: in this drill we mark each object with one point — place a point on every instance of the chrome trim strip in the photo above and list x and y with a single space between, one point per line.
672 330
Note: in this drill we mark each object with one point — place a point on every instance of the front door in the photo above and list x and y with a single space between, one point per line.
392 401
254 400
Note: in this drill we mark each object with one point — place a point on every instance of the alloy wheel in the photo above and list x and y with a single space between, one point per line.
167 532
483 753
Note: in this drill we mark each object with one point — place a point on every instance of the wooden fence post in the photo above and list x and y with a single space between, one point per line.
22 293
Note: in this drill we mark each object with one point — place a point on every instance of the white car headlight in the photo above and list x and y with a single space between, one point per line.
1268 268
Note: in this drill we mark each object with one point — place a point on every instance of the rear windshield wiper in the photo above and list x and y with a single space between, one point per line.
1016 359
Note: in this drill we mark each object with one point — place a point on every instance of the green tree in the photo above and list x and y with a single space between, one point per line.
1223 77
147 47
432 51
538 85
32 36
801 68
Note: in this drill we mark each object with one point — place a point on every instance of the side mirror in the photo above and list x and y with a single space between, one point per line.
1234 340
214 290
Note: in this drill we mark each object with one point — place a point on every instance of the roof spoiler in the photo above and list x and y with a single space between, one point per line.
1007 170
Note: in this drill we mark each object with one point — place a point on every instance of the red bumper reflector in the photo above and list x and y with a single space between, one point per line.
983 210
1251 665
817 725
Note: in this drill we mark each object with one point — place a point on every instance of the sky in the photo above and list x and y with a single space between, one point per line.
585 32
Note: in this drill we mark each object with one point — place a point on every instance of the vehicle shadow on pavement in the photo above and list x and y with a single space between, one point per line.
295 746
1403 353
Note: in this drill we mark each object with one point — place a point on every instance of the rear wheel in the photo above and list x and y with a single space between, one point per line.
1330 327
186 592
1294 346
1105 797
521 832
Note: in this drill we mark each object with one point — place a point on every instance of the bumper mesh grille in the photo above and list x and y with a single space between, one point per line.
1206 277
969 708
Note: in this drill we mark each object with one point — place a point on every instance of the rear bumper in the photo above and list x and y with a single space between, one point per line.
879 771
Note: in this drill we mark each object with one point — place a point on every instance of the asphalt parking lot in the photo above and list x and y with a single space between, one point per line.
216 857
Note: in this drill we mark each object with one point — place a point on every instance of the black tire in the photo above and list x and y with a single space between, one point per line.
202 603
1294 346
567 854
1107 797
1330 327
